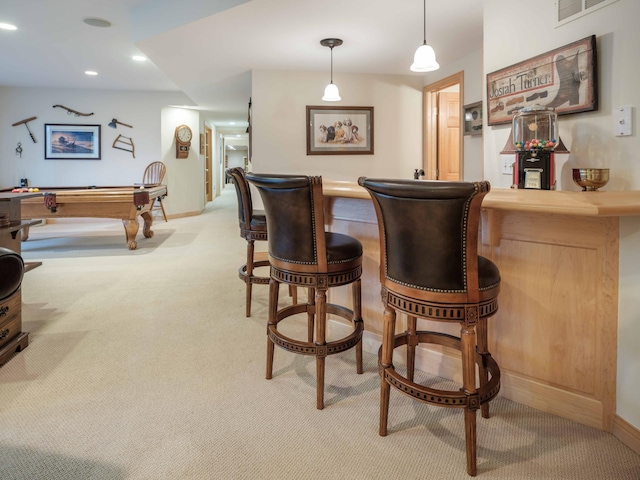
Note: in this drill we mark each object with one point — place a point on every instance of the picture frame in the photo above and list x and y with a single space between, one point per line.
473 119
564 78
327 132
71 142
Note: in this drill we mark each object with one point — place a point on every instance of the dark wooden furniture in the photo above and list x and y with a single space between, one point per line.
302 254
12 338
126 203
253 227
154 175
430 269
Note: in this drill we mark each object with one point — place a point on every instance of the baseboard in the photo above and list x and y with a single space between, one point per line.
626 433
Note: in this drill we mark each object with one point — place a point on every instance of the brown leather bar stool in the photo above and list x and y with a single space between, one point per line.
430 269
253 226
302 254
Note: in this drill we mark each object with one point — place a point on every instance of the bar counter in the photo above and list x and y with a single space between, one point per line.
555 334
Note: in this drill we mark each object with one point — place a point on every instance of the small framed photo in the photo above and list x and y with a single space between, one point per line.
71 142
339 130
473 119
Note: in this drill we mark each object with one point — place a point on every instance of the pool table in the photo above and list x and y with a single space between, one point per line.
123 202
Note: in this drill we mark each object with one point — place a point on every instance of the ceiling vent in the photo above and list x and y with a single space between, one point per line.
569 10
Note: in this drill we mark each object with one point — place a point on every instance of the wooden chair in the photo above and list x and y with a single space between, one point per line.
253 226
154 175
302 254
430 269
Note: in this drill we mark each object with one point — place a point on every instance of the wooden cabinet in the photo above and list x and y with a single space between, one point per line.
12 338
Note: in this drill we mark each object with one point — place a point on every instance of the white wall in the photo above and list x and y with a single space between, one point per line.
185 176
151 134
512 34
279 124
471 65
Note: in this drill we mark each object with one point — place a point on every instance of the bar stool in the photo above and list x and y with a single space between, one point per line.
430 269
302 254
253 226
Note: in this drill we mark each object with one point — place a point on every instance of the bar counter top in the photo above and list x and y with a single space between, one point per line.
593 204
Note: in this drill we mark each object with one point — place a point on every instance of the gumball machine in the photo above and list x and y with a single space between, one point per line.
535 136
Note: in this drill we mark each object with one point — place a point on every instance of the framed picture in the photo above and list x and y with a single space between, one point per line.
564 78
71 142
473 119
339 130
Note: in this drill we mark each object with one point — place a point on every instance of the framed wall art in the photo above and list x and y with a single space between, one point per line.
71 142
339 130
473 119
564 78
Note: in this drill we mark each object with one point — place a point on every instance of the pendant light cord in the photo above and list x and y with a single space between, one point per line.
332 64
425 22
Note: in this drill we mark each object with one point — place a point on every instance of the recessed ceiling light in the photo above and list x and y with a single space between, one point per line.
97 22
91 72
139 58
8 26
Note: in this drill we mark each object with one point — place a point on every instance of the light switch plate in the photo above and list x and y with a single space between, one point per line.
622 121
507 165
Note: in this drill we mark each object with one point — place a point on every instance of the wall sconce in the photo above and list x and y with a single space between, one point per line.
331 93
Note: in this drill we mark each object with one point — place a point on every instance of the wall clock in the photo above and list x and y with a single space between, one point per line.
183 141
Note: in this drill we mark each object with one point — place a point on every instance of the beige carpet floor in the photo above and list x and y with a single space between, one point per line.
142 365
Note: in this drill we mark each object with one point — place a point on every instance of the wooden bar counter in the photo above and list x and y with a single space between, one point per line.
555 334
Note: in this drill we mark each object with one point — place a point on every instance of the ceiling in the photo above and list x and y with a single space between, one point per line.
207 48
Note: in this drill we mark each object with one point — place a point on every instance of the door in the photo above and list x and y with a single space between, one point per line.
448 162
443 155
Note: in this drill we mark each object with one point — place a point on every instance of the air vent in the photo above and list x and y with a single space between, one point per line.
569 10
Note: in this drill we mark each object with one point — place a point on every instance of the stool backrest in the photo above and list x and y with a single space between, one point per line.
12 268
293 205
428 233
245 204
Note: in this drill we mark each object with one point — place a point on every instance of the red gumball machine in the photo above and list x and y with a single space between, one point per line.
535 136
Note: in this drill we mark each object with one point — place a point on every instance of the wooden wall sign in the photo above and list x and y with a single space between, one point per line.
564 78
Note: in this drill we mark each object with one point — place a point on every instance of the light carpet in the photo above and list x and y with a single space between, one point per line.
142 365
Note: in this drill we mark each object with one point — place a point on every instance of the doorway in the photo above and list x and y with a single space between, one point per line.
443 145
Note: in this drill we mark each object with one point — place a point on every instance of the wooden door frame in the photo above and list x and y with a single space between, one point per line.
208 164
430 122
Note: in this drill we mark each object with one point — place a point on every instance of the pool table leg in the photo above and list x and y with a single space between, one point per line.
148 221
131 230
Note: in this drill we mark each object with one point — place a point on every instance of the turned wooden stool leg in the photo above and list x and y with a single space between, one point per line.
311 313
293 293
274 288
321 349
483 348
386 360
250 249
412 342
356 290
468 348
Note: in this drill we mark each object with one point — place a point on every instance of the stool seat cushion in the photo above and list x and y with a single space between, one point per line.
488 273
12 268
342 248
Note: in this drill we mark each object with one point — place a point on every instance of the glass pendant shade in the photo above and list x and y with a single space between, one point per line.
424 59
331 93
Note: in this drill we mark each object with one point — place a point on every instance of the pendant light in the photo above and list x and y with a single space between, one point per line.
331 93
424 60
